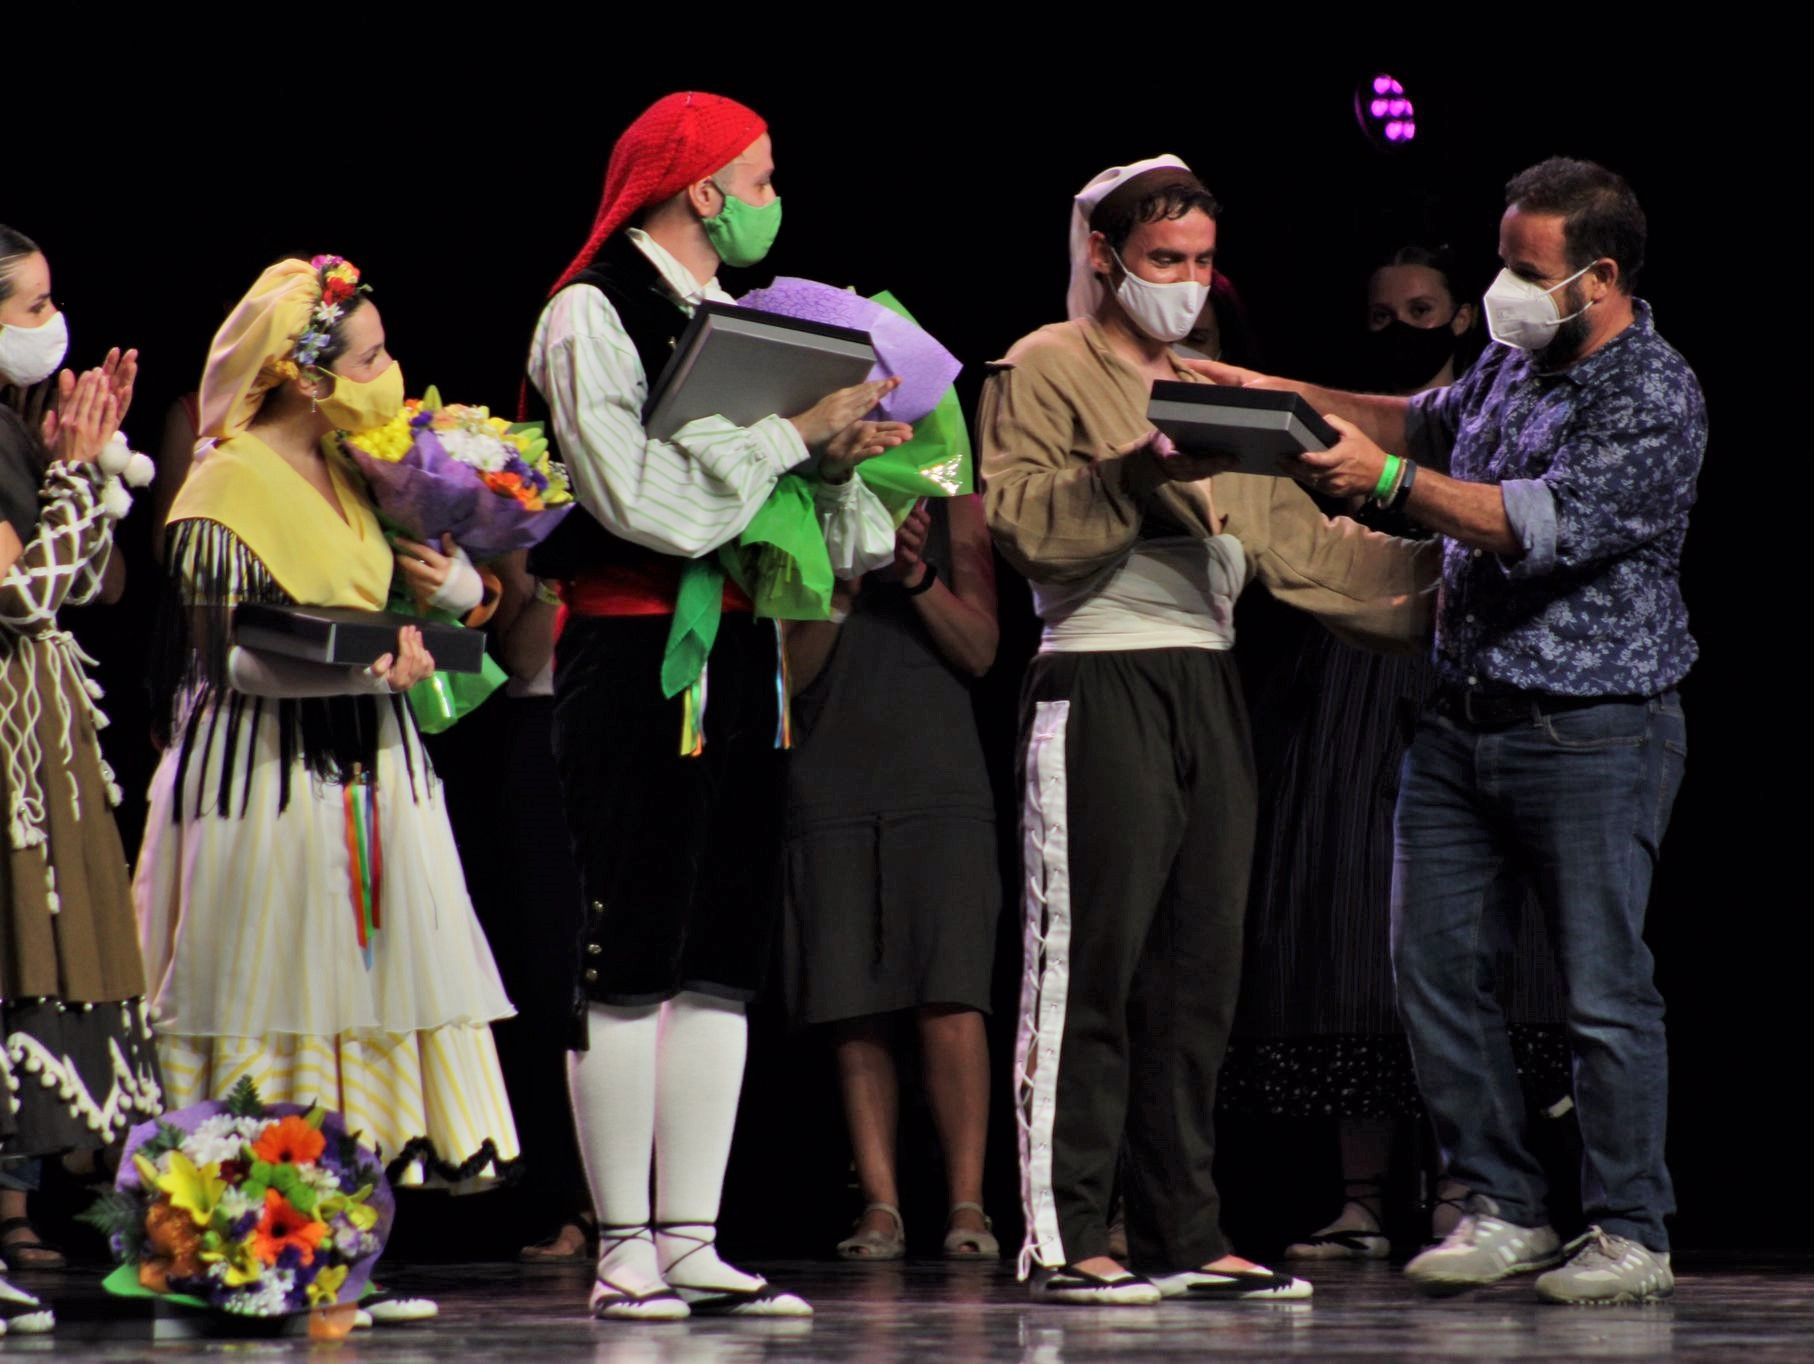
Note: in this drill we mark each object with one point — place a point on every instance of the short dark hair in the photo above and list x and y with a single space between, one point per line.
1600 215
14 247
1163 192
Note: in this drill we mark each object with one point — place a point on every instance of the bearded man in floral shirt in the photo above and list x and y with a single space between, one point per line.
1556 743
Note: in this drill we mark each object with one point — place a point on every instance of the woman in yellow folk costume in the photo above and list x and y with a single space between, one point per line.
301 907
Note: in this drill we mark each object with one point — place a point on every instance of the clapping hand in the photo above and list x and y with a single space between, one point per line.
121 370
86 416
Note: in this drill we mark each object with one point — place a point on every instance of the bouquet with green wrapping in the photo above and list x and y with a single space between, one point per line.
780 557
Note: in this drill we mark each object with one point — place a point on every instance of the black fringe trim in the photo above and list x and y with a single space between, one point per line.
422 1149
208 571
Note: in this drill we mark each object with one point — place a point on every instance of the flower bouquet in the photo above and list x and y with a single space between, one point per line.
246 1208
936 462
780 557
447 467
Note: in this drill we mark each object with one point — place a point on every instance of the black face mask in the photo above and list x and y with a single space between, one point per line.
1400 358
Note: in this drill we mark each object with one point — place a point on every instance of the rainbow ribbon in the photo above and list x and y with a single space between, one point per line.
364 857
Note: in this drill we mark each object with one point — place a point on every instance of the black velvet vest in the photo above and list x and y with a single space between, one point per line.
654 323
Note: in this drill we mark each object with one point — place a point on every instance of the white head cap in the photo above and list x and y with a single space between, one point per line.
1085 293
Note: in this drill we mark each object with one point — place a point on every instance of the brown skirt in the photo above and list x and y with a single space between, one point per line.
77 1057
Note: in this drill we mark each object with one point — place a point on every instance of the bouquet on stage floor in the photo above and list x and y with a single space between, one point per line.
248 1208
450 468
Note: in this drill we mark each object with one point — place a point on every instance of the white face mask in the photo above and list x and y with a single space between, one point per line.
1165 312
1522 314
28 354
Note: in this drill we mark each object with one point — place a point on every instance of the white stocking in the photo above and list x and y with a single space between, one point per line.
698 1082
613 1089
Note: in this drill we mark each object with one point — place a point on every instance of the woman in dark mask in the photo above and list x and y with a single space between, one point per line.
1417 327
1317 1032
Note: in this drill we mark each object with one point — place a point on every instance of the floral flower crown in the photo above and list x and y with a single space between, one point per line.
339 285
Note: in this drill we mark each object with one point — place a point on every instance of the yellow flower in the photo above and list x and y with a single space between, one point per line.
243 1264
326 1286
195 1191
351 1206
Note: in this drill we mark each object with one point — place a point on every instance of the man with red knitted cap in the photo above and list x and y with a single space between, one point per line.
671 767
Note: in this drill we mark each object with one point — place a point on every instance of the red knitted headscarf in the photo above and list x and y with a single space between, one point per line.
678 139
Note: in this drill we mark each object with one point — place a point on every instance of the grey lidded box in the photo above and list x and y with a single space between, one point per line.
351 638
1259 426
744 365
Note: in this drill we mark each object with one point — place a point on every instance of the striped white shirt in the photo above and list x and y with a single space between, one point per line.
696 491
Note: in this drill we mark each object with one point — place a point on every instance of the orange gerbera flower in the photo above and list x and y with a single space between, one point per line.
282 1225
290 1140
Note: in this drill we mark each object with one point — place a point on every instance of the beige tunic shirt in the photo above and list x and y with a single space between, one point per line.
1069 489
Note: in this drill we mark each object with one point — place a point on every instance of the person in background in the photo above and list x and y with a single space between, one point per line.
77 1061
893 882
1317 1031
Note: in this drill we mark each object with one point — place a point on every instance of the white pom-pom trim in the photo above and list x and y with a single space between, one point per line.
139 471
116 454
115 500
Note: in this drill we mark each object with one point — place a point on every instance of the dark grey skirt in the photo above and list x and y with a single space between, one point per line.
890 911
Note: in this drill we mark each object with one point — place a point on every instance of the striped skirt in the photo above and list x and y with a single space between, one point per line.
266 958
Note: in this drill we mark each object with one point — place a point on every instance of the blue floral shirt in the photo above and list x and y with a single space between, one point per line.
1598 465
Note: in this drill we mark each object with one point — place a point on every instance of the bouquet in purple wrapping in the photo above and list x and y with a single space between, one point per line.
437 467
248 1208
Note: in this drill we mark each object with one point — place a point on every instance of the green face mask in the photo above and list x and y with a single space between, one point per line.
742 234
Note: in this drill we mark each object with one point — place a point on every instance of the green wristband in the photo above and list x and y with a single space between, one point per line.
1388 471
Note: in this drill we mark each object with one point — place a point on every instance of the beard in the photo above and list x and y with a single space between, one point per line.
1571 337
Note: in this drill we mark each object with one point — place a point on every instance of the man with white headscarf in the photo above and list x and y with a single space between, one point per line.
1138 814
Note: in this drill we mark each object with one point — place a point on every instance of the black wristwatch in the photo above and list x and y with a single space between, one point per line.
927 578
1403 494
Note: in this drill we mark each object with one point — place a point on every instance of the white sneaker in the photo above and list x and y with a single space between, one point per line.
1483 1249
1604 1270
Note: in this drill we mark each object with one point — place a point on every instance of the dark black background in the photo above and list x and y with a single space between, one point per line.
461 200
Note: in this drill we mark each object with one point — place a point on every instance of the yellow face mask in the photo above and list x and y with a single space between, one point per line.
362 406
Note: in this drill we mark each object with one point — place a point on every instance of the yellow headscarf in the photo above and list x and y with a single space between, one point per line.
316 555
251 351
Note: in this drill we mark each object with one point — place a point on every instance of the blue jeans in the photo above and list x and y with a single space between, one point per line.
1574 803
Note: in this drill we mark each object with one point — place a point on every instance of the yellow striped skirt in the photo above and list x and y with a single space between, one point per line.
432 1103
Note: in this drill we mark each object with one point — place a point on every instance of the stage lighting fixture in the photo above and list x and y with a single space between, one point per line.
1385 112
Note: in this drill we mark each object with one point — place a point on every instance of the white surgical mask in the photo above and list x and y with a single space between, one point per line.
1165 312
28 354
1522 314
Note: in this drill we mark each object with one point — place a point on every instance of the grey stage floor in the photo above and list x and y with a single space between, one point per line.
939 1314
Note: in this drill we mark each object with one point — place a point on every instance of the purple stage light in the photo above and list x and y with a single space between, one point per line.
1385 112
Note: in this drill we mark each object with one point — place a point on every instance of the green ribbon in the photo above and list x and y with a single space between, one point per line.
780 559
